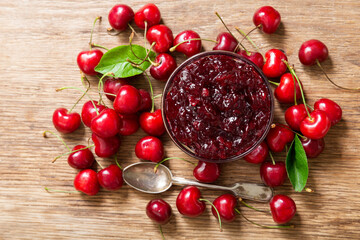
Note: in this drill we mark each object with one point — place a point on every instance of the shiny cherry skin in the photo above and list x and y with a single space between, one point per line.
88 60
159 211
317 126
225 42
283 208
313 147
206 172
120 16
111 177
189 48
284 93
106 147
313 50
226 205
152 123
82 159
148 13
112 86
87 182
145 100
128 100
274 66
331 108
130 124
273 175
268 18
66 122
162 36
149 148
255 57
294 115
106 124
258 155
167 65
88 112
278 137
188 202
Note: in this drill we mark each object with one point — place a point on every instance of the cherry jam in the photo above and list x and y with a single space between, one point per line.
218 106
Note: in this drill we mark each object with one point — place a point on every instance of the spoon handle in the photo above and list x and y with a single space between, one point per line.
183 181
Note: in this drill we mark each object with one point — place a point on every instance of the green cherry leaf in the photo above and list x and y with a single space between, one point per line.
296 165
116 60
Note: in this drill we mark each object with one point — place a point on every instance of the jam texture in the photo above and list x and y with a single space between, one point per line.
218 106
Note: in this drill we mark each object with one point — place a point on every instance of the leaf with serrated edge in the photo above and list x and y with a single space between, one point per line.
116 61
297 165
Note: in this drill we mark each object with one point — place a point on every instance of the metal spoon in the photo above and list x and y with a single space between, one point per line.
142 177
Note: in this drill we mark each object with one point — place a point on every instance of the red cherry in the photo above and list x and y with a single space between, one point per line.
226 205
128 100
313 147
189 48
88 60
226 42
120 16
106 147
88 112
152 123
273 175
313 50
86 181
268 18
130 124
165 69
255 57
106 124
284 93
162 36
148 13
81 159
258 155
66 122
274 66
206 172
112 86
294 115
188 202
159 211
331 108
149 148
278 137
317 126
111 178
145 100
283 208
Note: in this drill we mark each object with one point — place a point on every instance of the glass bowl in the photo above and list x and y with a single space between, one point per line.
169 85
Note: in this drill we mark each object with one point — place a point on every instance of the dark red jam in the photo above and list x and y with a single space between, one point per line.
218 106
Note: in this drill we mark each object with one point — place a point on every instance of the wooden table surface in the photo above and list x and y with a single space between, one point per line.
40 40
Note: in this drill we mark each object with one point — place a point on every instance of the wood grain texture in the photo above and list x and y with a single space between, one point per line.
39 42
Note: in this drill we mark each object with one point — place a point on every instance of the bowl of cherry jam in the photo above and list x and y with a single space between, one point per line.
217 106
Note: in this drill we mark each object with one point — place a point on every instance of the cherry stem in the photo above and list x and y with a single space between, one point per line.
161 232
217 212
172 49
147 55
309 190
286 127
251 207
85 93
249 39
92 30
328 78
239 43
130 44
311 108
157 96
79 99
272 158
58 137
99 163
295 100
116 161
67 153
145 32
275 83
59 191
151 91
298 81
133 30
98 46
101 84
112 32
83 77
260 225
169 158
